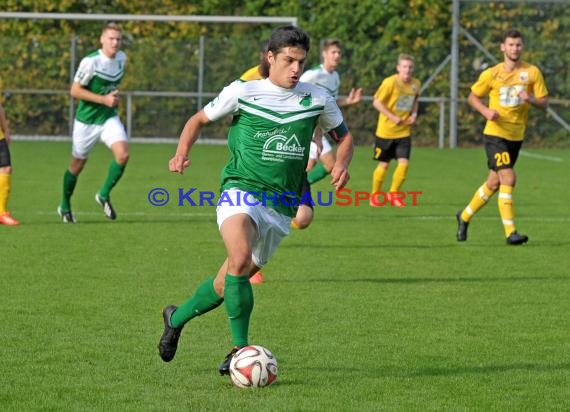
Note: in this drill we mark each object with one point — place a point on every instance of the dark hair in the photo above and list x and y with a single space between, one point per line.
512 33
286 36
263 46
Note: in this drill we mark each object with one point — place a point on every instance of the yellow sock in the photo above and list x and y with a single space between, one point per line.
398 177
378 178
5 185
506 208
480 199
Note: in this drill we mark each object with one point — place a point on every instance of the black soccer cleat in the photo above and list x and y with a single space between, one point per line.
516 239
107 207
169 340
462 226
224 368
67 216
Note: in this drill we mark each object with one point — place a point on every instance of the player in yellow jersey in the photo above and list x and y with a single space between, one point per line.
512 86
397 101
5 171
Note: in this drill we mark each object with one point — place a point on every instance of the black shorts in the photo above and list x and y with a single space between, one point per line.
501 153
4 154
388 149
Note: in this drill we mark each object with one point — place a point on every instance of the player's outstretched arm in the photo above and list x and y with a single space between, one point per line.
188 137
353 97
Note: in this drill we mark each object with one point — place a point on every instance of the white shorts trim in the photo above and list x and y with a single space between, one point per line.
85 136
313 155
271 225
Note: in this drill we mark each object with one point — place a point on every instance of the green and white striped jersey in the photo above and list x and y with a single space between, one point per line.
101 75
270 136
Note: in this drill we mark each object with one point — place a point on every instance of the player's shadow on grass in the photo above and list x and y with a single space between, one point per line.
436 280
446 244
486 369
368 245
393 372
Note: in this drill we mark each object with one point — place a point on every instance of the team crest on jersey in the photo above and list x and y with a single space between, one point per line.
523 76
306 100
280 148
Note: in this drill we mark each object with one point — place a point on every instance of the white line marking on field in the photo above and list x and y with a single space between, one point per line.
526 218
541 157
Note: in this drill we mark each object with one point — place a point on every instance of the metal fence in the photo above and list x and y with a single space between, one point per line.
183 75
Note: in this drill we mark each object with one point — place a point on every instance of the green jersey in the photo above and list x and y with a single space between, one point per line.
270 136
100 75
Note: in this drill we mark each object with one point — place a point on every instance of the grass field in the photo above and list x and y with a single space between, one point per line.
369 309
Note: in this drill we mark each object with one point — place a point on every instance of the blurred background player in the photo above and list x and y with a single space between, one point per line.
397 101
5 171
512 86
255 73
322 157
95 85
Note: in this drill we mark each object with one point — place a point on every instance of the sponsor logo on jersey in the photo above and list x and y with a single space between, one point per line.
280 148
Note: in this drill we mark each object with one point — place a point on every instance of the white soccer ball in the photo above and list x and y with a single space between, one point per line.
253 366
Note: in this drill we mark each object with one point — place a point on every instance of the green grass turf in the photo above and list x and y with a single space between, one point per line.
368 309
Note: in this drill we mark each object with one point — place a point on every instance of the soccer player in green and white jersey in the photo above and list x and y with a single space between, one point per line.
269 141
96 85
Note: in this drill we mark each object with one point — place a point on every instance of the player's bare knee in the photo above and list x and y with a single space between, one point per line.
122 158
240 264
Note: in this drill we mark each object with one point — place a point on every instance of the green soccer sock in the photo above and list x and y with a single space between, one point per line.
238 296
115 172
317 173
69 182
204 300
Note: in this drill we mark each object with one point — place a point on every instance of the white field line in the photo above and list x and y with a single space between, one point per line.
541 157
526 218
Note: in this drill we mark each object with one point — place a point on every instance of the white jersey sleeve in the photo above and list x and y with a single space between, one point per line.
225 103
310 76
331 117
85 71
